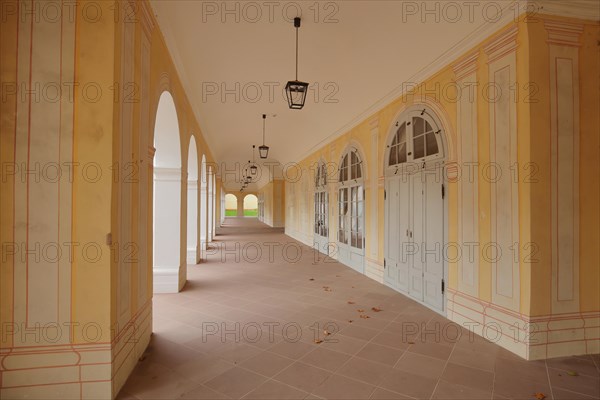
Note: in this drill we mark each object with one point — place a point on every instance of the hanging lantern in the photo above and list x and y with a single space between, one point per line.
263 151
253 167
296 90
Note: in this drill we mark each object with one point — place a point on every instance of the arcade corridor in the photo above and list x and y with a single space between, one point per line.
206 343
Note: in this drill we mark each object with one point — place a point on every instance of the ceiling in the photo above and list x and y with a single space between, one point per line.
356 53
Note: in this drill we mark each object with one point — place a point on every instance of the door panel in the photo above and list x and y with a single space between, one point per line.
403 238
434 239
415 251
392 231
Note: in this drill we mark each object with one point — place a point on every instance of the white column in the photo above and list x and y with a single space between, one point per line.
192 224
167 204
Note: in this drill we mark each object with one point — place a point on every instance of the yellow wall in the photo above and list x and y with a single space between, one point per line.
535 278
103 292
273 197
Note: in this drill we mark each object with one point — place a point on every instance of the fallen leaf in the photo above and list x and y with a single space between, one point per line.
350 321
363 316
411 342
350 302
572 373
318 341
376 309
352 287
539 396
326 333
311 279
360 310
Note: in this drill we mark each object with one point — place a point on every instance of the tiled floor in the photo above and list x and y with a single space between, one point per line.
268 326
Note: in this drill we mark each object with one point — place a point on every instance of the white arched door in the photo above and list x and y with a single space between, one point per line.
351 205
414 208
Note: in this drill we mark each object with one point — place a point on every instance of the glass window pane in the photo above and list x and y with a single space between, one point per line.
432 147
401 133
419 147
418 126
402 153
359 241
393 160
358 172
428 127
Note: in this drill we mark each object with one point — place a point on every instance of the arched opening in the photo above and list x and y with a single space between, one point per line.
192 204
203 207
167 198
231 203
415 212
250 206
351 206
210 205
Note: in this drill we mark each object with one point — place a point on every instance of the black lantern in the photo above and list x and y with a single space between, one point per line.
253 167
263 150
296 90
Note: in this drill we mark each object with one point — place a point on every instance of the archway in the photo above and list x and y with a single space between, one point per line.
250 206
210 205
231 205
166 198
203 207
192 204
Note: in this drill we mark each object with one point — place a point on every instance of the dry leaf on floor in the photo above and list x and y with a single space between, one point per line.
350 321
376 309
318 341
363 316
311 279
350 302
539 396
360 310
326 333
411 342
572 373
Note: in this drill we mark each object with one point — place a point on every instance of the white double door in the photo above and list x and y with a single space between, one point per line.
414 237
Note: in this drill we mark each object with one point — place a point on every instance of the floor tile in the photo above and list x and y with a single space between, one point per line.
275 390
302 376
381 354
236 382
421 365
408 384
267 363
326 359
341 387
364 370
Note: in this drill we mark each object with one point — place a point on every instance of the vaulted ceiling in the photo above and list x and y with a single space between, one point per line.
235 58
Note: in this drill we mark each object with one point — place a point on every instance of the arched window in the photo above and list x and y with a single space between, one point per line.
415 136
321 201
351 200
